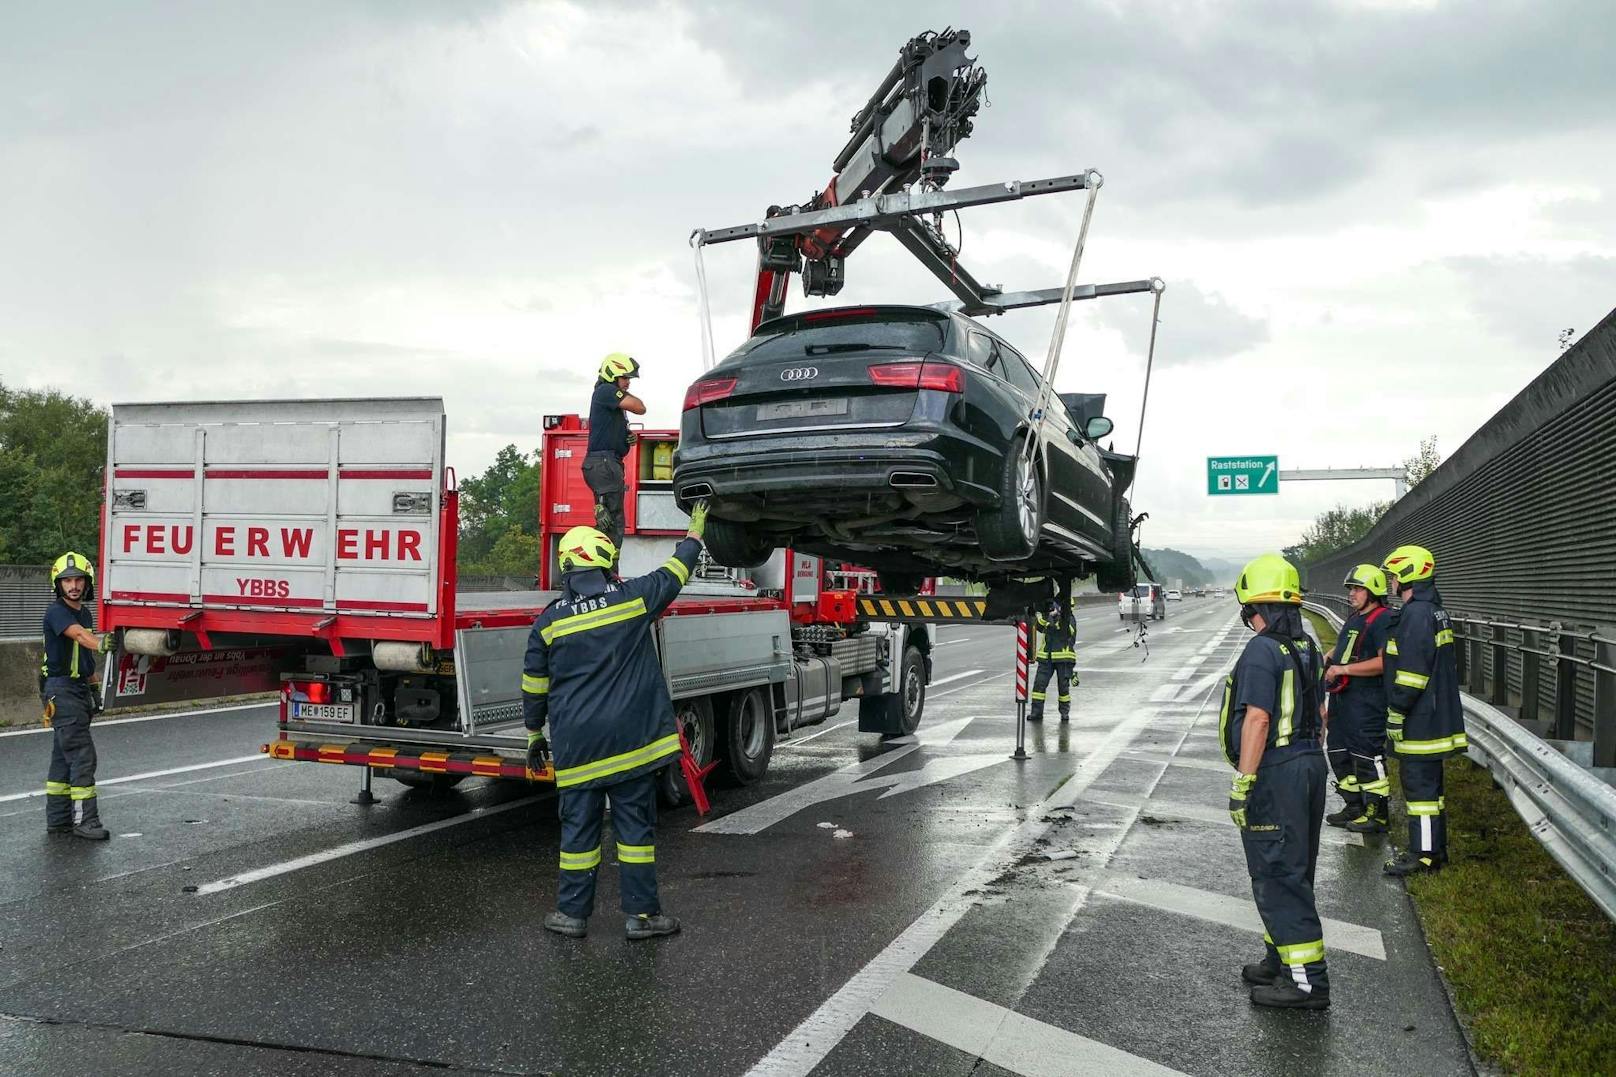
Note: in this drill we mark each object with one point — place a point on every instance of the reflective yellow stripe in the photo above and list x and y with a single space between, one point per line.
1301 953
1287 709
1424 807
908 610
1430 747
1352 641
1394 717
81 792
1443 638
1349 784
886 608
56 789
616 764
535 686
1380 787
677 567
583 622
636 854
1412 680
580 861
1038 697
1391 646
73 667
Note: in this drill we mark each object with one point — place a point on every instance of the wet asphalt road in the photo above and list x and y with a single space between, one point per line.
926 906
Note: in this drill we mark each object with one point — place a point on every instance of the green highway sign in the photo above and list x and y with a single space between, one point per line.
1242 475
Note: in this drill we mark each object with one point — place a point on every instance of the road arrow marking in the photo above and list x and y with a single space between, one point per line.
856 778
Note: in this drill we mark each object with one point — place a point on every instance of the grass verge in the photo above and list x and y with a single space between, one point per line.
1530 957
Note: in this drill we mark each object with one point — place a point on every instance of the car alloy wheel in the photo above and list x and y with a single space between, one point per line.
1027 488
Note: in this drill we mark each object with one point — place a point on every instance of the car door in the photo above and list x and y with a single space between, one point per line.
1064 505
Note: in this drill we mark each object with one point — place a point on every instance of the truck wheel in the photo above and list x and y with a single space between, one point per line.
431 783
897 714
1010 531
748 736
695 717
733 545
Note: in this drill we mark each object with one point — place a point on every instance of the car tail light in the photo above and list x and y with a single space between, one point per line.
931 374
708 390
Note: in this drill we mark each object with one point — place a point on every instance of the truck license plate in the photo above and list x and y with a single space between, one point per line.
802 409
324 712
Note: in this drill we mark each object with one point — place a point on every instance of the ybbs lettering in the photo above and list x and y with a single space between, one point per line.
256 588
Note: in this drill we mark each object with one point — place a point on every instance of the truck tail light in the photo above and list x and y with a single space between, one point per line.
930 374
708 390
313 691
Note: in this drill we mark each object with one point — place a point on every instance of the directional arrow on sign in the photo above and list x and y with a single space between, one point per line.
1267 472
857 778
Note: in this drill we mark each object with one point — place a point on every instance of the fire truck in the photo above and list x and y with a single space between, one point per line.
309 548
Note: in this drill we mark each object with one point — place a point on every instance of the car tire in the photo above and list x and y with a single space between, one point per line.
1118 575
1010 531
733 545
899 583
428 783
748 736
695 717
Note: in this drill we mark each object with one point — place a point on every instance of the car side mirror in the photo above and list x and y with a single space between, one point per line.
1097 427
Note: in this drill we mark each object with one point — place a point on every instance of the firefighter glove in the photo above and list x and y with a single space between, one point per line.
538 752
106 644
698 518
1237 797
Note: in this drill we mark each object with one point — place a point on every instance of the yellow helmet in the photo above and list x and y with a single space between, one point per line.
1269 578
1369 578
585 547
72 566
1410 564
618 365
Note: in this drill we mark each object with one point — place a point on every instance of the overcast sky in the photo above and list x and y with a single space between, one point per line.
1350 202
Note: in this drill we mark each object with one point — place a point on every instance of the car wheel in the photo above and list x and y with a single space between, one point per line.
899 583
1118 575
748 736
1011 530
695 717
734 545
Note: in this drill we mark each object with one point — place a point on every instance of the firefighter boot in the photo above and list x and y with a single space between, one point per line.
574 927
650 925
1408 864
1285 994
91 830
1371 821
1260 974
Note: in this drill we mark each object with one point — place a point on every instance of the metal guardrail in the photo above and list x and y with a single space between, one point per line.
1562 680
1569 811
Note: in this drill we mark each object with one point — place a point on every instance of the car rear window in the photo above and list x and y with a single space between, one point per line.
815 334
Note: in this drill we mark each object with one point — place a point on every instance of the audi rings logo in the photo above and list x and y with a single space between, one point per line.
799 373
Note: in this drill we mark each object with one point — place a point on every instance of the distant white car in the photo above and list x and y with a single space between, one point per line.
1173 595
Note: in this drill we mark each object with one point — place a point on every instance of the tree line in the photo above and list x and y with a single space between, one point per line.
1343 525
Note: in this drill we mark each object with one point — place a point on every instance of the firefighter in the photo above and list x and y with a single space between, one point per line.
609 439
1424 718
1356 735
592 672
1057 657
1269 726
68 691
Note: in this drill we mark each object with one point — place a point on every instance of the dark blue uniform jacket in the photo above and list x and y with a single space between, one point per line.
592 672
1363 701
1267 676
1422 679
608 426
64 657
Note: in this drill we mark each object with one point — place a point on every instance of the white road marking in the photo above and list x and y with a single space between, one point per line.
952 677
104 723
1001 1036
974 684
808 1044
1174 761
1238 912
259 874
856 778
1204 813
811 736
260 757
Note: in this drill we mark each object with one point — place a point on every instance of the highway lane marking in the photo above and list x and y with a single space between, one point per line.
1174 761
1200 813
1001 1036
1236 912
812 1040
255 758
102 724
952 677
340 851
811 736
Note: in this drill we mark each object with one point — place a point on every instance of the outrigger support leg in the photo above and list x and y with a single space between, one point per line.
365 797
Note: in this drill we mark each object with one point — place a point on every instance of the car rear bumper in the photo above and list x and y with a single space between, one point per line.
825 472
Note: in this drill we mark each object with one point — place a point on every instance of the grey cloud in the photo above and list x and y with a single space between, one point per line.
1196 326
1528 301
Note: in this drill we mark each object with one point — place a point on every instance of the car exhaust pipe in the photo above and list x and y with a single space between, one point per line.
696 490
912 480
